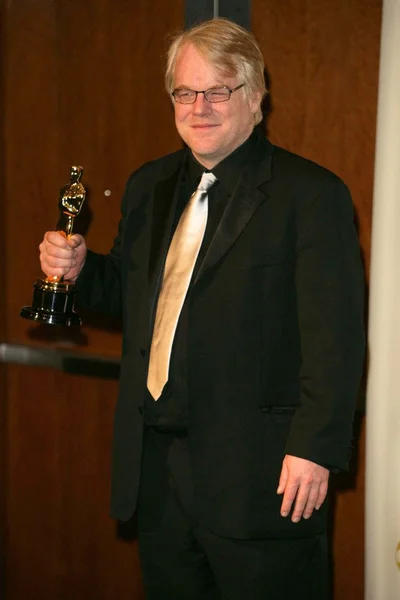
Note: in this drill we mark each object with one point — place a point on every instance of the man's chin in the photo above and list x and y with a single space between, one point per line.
205 157
205 150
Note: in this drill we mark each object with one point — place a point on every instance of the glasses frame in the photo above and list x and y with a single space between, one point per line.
204 92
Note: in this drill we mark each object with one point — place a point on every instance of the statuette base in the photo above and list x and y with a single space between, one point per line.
53 304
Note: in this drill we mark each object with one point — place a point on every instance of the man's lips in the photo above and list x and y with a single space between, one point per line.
205 126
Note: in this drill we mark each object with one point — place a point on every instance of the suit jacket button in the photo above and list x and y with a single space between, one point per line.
143 352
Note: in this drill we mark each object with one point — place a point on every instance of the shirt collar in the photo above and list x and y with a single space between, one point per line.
228 170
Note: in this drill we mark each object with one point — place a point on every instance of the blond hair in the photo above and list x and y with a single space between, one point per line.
229 48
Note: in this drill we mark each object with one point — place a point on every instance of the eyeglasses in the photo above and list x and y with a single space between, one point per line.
214 95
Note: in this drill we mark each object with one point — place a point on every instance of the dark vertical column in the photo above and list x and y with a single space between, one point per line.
201 10
198 10
236 10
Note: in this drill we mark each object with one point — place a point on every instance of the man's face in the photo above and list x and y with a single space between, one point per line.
211 130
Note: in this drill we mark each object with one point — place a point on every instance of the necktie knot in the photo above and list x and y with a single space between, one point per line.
206 181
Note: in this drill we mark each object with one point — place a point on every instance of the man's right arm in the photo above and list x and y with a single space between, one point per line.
98 276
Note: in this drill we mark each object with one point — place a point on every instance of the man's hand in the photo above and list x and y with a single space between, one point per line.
62 257
304 481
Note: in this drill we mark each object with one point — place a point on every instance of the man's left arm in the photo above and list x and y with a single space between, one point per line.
330 289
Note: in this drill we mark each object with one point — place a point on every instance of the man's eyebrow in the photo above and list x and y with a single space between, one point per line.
211 87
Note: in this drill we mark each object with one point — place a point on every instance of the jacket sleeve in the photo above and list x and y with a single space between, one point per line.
330 289
99 283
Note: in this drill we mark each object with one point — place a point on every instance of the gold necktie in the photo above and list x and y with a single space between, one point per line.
181 258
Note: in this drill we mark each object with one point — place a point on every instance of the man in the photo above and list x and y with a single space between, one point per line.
242 344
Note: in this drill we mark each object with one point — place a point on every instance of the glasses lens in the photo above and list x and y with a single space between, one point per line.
185 96
217 95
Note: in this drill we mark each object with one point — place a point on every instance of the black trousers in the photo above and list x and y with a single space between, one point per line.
181 560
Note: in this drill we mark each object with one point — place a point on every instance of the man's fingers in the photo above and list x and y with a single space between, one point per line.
62 257
57 261
323 490
56 239
311 501
52 252
305 487
303 493
304 498
57 272
288 498
316 497
75 240
60 263
283 479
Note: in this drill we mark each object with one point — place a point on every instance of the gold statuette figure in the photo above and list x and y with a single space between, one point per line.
72 197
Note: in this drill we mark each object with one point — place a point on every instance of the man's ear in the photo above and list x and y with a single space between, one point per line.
255 102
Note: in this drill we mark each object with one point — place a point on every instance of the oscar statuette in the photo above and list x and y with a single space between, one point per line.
54 297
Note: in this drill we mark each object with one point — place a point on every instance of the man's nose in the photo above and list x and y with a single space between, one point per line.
201 105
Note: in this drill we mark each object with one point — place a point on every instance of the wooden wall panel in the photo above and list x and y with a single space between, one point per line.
323 61
61 542
3 480
84 85
348 525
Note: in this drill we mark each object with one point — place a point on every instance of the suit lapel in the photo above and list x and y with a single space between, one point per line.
241 207
164 206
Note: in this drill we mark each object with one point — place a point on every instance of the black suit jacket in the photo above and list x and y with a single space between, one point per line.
275 335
